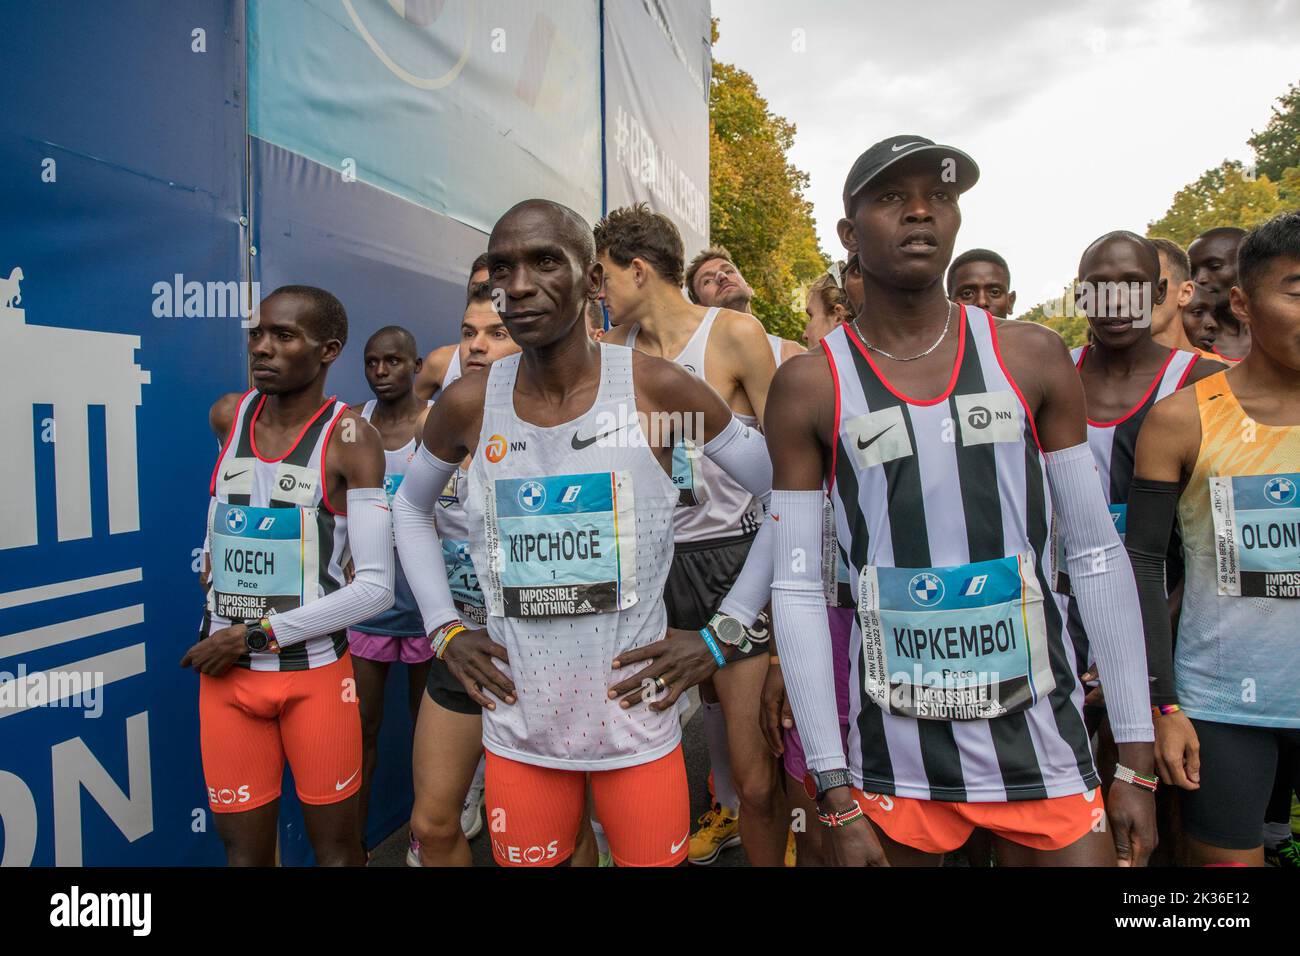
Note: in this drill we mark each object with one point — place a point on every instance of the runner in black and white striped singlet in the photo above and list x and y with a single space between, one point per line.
296 495
947 440
1124 372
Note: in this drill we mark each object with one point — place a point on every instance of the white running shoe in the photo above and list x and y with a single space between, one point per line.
471 813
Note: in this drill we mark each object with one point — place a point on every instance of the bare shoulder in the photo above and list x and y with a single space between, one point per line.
440 357
1020 338
803 373
740 327
789 349
617 335
1177 412
1204 368
662 381
221 417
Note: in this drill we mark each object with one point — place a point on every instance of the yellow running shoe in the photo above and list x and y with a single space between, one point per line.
719 829
790 855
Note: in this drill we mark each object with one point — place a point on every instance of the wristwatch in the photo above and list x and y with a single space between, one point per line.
258 637
728 630
817 783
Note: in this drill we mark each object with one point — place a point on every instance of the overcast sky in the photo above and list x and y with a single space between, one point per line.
1083 117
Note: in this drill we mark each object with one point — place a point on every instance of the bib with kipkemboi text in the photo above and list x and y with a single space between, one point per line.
561 545
262 559
956 643
1257 534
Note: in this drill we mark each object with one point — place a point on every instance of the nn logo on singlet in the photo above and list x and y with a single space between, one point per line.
497 447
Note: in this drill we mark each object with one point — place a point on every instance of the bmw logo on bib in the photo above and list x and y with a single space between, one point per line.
1279 491
925 589
532 496
236 520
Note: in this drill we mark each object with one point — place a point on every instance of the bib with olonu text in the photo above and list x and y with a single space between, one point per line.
1257 534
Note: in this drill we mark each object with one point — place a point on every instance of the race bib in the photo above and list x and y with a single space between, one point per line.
686 474
1060 573
391 484
561 545
463 581
1257 534
958 643
450 491
262 560
836 585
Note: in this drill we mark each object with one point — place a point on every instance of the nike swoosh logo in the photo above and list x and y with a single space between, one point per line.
227 476
580 443
862 445
340 786
679 844
894 149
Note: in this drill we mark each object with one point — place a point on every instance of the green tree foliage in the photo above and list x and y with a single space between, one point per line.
1229 195
1277 147
756 203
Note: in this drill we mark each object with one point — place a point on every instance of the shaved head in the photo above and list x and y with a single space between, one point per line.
1149 250
570 229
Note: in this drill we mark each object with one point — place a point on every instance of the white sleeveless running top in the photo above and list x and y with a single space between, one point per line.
570 531
713 504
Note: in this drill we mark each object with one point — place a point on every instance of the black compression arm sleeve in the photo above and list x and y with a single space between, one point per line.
1151 509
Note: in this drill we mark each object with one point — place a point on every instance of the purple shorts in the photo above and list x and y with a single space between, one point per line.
386 648
841 621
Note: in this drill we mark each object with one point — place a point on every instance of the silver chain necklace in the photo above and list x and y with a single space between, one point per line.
937 342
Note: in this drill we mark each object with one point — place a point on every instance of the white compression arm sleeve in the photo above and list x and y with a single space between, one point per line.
417 537
370 539
1101 578
799 612
741 452
752 588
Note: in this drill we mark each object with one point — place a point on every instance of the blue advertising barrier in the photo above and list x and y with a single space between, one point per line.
149 188
122 151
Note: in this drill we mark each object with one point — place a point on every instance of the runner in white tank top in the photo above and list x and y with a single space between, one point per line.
449 733
715 524
570 515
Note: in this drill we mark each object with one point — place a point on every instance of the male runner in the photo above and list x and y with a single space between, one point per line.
1199 322
569 510
391 363
713 279
946 439
1124 371
1225 456
1167 318
449 732
297 487
641 257
981 277
1213 258
442 365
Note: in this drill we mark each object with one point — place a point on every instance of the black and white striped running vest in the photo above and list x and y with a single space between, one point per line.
277 542
962 686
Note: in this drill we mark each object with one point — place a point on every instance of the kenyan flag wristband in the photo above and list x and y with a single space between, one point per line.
843 818
1128 775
